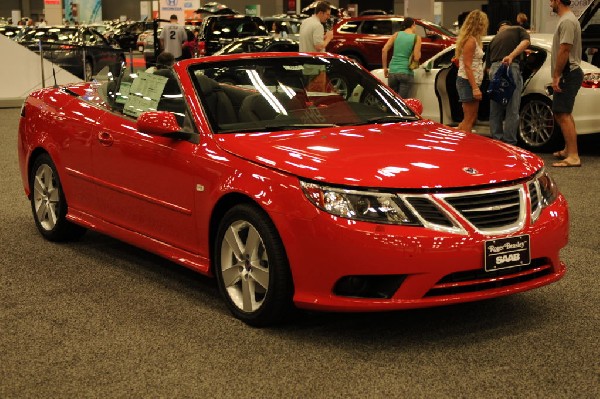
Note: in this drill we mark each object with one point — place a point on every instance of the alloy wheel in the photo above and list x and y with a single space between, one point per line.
244 266
537 125
46 197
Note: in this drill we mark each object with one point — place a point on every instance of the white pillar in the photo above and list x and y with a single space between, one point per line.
422 9
53 14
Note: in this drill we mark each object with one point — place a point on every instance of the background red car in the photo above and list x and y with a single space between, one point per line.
362 38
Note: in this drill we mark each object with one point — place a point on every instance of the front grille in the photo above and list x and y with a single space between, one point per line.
494 209
480 280
429 211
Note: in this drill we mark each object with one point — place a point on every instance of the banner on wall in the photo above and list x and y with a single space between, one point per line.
172 7
83 11
190 7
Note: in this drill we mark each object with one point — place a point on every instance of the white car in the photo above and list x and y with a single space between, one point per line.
435 86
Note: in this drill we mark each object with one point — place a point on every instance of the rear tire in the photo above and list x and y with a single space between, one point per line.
538 130
48 202
251 267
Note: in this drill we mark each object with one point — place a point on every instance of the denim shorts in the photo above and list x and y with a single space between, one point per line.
570 82
465 92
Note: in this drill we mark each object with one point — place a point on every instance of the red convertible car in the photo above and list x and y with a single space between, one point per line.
290 194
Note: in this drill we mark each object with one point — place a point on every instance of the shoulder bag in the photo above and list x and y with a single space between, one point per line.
412 63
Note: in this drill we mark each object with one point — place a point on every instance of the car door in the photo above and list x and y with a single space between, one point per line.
424 86
100 50
145 182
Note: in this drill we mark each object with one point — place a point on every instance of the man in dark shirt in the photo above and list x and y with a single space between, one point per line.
505 48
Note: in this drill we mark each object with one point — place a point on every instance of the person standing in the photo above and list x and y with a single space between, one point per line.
522 20
567 77
406 46
312 34
469 52
172 37
505 49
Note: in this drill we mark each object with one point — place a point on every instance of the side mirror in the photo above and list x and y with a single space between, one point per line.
158 123
415 104
428 67
434 37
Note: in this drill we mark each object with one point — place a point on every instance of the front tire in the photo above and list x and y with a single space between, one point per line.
48 202
251 267
538 130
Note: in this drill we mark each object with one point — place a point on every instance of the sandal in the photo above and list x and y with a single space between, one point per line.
566 164
559 154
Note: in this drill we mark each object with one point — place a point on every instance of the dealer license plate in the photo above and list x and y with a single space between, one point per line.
504 253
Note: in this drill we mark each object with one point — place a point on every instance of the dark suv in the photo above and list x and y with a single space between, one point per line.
363 38
218 30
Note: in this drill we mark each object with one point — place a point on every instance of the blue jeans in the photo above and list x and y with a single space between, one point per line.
401 83
504 120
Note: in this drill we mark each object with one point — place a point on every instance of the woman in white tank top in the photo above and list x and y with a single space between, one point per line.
469 53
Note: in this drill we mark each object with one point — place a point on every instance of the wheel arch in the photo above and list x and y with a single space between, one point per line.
32 157
223 205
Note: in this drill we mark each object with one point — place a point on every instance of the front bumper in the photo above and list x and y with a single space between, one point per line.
430 268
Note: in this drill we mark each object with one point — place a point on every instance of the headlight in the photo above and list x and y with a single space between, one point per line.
366 206
548 189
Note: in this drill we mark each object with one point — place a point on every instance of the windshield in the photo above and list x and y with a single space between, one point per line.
291 93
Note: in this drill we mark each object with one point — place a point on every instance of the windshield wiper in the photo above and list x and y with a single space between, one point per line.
277 127
393 118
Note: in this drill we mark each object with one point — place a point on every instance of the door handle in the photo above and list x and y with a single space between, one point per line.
105 138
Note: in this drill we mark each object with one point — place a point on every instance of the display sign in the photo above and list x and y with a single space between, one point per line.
253 10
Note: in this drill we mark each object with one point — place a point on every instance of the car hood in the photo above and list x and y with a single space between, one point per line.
414 155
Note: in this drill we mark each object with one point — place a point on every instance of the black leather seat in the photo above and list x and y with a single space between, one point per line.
256 108
218 105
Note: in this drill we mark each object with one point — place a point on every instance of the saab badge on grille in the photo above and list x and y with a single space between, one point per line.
471 171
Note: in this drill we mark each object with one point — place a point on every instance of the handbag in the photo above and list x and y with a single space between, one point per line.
412 63
502 85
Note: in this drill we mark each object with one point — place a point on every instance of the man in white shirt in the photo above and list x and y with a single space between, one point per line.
312 34
172 37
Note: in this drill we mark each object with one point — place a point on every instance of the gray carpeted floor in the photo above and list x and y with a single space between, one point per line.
99 318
